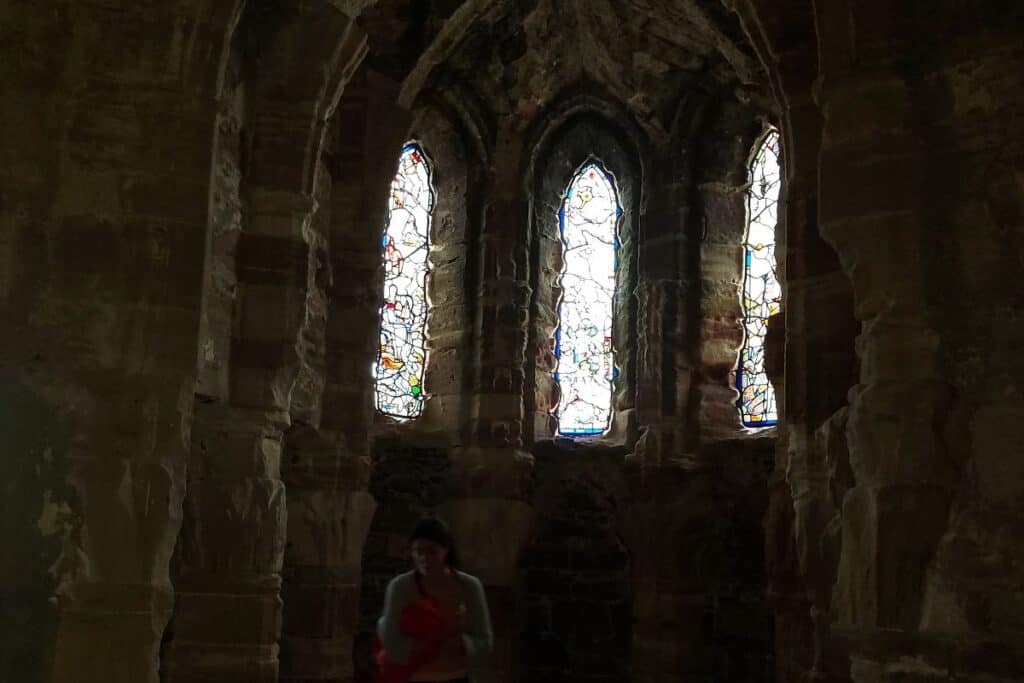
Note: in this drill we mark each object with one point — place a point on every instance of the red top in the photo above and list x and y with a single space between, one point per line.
422 621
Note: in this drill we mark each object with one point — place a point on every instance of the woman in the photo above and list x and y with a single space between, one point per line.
435 617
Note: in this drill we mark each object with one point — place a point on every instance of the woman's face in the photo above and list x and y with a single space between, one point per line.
429 556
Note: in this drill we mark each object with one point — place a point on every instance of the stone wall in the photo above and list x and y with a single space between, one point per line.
551 531
576 587
409 482
574 134
893 123
697 548
105 177
192 196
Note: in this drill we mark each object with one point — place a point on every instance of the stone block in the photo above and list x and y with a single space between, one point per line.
445 370
235 528
890 535
190 662
272 313
130 513
997 430
447 280
227 618
492 533
328 528
316 659
448 319
319 610
127 652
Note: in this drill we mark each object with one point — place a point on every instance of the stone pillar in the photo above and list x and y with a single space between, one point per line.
492 532
916 202
228 618
371 132
716 269
236 503
496 470
329 515
503 305
492 472
107 155
228 613
663 362
820 368
811 467
327 467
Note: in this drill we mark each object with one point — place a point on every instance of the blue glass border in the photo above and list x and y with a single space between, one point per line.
596 162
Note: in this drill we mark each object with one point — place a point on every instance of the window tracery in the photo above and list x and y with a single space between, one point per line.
762 293
585 368
401 357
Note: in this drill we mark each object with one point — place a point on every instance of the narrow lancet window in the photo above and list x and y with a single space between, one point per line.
583 341
762 294
403 314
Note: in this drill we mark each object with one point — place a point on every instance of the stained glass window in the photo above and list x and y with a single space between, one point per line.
583 342
403 314
762 294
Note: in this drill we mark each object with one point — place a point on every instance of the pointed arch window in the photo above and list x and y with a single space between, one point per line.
401 356
762 294
588 223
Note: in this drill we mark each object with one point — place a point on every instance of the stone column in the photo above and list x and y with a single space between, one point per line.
714 327
228 618
494 463
920 196
329 515
228 613
811 472
663 362
503 305
820 368
107 153
236 506
327 466
492 471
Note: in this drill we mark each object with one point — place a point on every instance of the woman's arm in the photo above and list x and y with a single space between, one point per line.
477 637
397 646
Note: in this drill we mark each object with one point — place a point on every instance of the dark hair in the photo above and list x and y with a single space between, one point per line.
433 529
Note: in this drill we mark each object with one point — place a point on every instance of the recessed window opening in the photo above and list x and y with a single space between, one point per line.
588 224
401 357
762 293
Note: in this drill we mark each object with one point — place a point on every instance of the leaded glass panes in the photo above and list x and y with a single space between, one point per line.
583 342
762 294
403 315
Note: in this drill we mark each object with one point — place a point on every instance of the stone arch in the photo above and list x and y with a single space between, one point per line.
577 129
419 452
327 469
295 59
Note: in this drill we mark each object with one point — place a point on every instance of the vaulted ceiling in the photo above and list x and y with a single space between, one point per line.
648 54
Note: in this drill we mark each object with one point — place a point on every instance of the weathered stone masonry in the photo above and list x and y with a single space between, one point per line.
195 486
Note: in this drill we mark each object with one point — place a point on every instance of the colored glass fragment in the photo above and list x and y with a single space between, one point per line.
398 372
762 293
585 364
